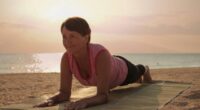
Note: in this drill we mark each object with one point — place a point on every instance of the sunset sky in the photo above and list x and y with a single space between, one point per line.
123 26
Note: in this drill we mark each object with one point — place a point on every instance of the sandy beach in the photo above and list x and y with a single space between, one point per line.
16 88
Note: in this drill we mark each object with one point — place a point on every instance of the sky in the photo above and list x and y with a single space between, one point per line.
122 26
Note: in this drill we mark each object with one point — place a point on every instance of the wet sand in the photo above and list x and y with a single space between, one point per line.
16 88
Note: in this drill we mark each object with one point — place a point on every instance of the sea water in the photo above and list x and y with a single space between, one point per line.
30 63
157 61
50 62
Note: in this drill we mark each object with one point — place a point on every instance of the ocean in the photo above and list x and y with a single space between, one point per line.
50 62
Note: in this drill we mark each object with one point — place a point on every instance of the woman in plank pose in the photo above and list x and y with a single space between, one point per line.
92 65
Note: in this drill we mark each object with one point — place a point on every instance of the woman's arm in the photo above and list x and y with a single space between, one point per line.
103 70
65 78
65 85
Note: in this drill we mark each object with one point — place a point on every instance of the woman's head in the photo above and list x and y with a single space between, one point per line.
77 24
76 34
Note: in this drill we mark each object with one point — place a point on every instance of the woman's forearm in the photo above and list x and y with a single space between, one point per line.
60 97
95 100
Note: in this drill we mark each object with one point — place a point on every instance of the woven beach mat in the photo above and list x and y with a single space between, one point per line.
131 97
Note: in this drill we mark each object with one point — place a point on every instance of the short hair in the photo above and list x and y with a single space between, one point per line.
77 24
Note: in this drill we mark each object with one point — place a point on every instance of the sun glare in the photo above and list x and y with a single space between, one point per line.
60 13
62 10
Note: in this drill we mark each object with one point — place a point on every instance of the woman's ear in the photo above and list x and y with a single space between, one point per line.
87 38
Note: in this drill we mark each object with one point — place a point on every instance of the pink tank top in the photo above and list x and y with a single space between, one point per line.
119 68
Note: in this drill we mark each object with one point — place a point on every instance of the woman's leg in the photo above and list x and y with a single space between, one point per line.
140 68
145 73
147 76
135 72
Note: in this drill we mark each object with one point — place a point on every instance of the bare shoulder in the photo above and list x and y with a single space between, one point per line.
64 57
65 54
64 60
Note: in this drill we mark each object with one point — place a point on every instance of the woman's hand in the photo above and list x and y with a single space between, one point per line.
76 105
47 103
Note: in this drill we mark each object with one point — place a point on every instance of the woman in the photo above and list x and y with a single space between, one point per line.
92 65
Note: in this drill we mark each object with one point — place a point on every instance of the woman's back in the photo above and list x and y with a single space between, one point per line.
118 67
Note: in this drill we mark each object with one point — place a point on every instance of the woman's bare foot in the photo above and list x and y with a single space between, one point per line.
147 76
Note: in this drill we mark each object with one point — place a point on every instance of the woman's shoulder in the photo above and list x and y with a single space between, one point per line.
96 46
67 56
96 49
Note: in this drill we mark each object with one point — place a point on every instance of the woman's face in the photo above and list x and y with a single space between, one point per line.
73 41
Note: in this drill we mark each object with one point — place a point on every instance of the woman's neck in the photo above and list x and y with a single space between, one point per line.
82 54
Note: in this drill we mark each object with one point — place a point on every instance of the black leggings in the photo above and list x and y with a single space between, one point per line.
134 71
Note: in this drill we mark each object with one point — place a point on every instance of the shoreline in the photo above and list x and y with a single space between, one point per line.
156 68
17 87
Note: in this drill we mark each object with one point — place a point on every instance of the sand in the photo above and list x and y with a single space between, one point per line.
16 88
